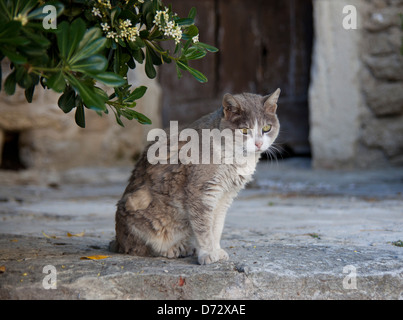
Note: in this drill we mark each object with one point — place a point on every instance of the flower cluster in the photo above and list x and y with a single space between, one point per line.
100 9
125 31
195 39
164 24
22 18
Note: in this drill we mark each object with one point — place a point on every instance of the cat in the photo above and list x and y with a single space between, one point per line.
178 210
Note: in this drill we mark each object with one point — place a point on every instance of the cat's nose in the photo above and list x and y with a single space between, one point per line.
258 144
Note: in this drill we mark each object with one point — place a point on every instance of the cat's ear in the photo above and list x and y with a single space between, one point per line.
231 106
270 103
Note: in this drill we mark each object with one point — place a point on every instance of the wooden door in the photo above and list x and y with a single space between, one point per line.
264 45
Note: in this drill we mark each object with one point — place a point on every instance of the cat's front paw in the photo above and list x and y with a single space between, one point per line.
213 256
223 255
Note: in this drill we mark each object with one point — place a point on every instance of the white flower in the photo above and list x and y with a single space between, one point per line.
112 35
141 1
22 18
126 23
105 26
168 27
133 33
177 34
195 39
96 12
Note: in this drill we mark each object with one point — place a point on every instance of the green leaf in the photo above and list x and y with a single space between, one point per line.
114 15
206 46
149 67
156 58
63 38
89 50
57 82
80 116
131 64
101 93
10 83
194 53
90 98
192 31
10 29
67 100
17 41
182 64
26 81
91 35
38 38
20 73
195 73
25 6
141 118
109 78
184 22
137 94
13 56
118 120
178 71
76 33
29 93
149 20
192 13
131 114
93 64
198 75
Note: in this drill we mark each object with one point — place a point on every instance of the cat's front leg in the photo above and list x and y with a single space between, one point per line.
207 252
220 213
202 218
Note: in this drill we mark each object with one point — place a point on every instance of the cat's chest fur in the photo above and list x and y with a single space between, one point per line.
233 178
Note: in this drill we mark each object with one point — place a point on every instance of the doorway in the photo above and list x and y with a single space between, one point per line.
264 45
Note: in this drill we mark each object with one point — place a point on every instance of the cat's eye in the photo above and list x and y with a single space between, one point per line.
244 130
266 128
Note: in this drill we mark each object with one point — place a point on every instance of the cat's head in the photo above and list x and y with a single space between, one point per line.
253 116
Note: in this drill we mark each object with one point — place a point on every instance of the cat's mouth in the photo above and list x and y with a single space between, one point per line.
259 149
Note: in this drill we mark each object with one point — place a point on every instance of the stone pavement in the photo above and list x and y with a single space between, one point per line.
295 233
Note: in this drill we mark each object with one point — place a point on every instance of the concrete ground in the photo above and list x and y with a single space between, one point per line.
295 233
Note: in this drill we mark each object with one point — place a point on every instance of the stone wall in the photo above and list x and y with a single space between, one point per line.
335 99
356 92
381 135
46 138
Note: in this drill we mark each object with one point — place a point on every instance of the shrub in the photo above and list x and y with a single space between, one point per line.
71 46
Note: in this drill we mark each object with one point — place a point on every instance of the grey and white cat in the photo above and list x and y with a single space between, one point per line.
177 210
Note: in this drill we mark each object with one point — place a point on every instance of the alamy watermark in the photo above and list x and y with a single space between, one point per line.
350 19
350 281
50 21
50 280
206 146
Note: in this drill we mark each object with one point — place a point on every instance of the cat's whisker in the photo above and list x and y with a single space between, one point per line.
272 154
278 150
